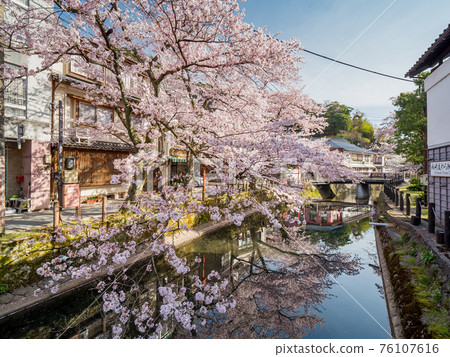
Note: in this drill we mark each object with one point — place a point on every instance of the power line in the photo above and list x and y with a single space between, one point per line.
357 67
350 45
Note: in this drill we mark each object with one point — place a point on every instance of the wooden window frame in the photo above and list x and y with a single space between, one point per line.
78 100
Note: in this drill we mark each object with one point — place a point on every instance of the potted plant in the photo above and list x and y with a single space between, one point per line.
93 199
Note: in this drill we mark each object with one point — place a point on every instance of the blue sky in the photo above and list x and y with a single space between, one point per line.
391 45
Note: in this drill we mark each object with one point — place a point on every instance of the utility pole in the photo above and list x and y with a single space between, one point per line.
2 147
60 153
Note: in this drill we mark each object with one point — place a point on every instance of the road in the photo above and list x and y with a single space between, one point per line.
28 221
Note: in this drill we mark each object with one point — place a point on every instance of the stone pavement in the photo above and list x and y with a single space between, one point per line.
419 233
30 220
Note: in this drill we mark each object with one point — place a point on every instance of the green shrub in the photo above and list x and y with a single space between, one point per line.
406 237
428 257
415 188
436 295
3 288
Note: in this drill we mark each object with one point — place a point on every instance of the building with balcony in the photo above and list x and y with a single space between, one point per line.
361 160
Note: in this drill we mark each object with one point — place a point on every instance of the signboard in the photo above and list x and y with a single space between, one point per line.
441 168
178 155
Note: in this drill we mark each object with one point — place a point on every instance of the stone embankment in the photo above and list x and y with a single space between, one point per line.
415 273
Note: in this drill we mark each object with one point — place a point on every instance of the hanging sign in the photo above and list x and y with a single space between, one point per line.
441 168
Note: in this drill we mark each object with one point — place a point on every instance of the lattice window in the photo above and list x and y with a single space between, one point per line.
16 98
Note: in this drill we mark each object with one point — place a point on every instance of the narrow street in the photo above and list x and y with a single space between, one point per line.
27 221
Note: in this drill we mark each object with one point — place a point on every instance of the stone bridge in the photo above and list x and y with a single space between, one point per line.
362 187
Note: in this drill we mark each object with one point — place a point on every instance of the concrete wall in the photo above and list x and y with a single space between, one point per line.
36 173
14 168
437 86
40 175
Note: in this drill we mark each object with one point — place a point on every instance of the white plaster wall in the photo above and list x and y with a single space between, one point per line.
38 110
37 120
437 86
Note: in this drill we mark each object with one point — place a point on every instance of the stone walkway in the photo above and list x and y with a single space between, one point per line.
30 220
420 233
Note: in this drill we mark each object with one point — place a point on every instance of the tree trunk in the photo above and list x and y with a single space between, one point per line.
134 190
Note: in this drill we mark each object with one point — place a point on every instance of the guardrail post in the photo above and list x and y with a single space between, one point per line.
418 209
447 229
401 201
408 204
104 212
431 218
56 214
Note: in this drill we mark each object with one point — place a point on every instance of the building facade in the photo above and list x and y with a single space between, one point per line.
27 107
437 87
365 162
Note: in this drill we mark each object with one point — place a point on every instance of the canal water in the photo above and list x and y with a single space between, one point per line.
356 307
315 284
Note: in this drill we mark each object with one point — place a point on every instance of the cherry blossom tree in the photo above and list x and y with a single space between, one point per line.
201 76
192 72
384 145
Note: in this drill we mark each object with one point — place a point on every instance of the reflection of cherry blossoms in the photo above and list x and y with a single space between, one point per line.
278 285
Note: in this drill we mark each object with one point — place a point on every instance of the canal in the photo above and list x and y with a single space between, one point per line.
321 282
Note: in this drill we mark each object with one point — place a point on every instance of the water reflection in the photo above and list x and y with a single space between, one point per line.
283 284
327 215
276 280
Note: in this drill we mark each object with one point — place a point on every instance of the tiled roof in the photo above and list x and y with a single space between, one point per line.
339 143
98 145
438 51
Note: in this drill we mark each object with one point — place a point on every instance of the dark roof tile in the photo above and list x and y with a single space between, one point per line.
438 51
98 145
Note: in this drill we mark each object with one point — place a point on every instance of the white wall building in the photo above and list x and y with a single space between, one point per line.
27 102
437 86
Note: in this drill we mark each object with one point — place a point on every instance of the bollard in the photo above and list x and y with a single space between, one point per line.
104 213
396 197
447 229
431 218
55 215
401 201
418 209
440 236
408 204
